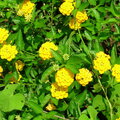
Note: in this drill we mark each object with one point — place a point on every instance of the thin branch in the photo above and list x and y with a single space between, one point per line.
58 116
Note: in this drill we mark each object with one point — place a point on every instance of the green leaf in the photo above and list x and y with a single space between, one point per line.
85 48
113 55
78 2
63 106
45 100
97 46
35 107
38 118
88 35
10 101
81 98
57 56
74 63
92 2
113 10
83 117
46 73
96 14
83 6
92 112
98 103
20 42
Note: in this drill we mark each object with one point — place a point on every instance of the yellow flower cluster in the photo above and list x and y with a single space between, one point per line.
66 8
81 17
1 70
8 52
19 65
26 9
64 77
44 50
116 72
101 62
3 34
84 76
59 92
50 107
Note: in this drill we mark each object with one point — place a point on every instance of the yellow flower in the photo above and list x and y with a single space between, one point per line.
66 8
8 52
44 50
3 34
19 65
64 77
84 76
81 16
73 24
101 62
116 72
1 70
50 107
59 92
26 9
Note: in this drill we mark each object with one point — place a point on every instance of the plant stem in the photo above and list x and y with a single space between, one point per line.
58 116
111 109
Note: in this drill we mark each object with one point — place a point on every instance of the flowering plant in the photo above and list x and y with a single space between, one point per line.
59 60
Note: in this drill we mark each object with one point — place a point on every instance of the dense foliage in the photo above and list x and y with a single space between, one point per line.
59 60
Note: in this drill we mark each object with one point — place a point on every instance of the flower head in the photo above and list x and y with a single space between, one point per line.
81 16
66 8
8 52
50 107
84 76
64 77
26 9
101 62
3 34
59 92
45 52
73 24
19 65
116 72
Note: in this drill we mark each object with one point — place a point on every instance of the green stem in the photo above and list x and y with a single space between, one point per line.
111 109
